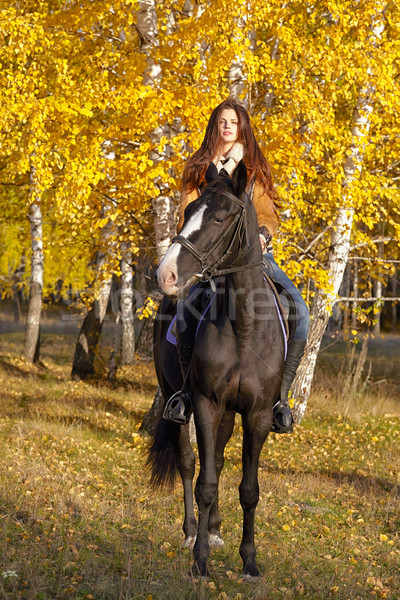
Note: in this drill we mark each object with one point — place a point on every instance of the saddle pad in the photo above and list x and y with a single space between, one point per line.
171 337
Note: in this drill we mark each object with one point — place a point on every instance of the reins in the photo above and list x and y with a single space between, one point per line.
238 227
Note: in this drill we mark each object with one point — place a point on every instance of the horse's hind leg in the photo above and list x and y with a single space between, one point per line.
254 434
224 433
186 471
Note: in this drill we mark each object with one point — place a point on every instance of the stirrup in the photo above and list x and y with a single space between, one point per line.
283 419
178 408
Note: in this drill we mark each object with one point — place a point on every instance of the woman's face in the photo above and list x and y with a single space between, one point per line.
228 129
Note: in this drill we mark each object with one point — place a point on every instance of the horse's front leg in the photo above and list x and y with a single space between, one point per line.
207 420
186 471
224 433
255 431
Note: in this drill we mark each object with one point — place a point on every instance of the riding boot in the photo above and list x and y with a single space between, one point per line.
180 406
283 419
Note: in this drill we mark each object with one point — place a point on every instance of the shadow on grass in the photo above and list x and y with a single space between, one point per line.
110 558
11 369
36 370
135 386
30 409
85 422
120 384
27 402
362 483
105 404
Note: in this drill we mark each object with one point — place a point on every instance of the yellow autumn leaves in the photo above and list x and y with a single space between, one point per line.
82 95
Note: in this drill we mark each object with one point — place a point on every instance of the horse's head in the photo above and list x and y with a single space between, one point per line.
213 233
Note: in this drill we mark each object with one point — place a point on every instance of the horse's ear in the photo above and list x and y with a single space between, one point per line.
211 173
239 179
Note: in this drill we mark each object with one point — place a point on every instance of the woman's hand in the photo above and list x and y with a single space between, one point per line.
265 238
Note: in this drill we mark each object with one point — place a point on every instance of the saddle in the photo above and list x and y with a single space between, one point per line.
205 299
284 303
284 299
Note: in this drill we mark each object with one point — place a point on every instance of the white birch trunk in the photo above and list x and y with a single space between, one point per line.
163 205
394 279
89 335
236 77
355 294
126 303
340 236
378 293
83 364
235 80
270 94
378 307
164 223
338 254
32 331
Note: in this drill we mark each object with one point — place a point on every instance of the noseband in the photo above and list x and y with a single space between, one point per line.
237 229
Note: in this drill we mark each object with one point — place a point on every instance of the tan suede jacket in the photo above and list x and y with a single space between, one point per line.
265 209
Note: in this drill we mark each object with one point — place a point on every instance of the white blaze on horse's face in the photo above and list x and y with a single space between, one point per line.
167 272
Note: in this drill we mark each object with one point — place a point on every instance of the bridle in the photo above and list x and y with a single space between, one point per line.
237 230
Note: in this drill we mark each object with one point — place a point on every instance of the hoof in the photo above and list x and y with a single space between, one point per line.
189 576
250 578
215 540
250 572
189 541
192 576
199 570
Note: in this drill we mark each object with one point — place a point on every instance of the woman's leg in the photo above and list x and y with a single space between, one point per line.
179 407
303 316
283 419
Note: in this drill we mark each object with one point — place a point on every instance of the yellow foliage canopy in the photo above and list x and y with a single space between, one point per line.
82 95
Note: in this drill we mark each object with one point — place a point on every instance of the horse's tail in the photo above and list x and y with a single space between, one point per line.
163 458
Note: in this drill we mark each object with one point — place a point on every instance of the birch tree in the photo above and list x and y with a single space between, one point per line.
83 365
149 83
126 307
163 204
32 331
341 231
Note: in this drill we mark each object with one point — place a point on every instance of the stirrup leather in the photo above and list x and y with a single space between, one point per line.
178 408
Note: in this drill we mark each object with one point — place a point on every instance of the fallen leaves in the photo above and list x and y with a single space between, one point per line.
327 513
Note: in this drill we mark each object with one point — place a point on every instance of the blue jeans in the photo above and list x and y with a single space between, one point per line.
303 316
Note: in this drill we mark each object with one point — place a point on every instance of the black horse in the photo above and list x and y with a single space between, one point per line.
237 361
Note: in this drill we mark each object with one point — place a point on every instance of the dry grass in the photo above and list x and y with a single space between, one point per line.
351 382
79 521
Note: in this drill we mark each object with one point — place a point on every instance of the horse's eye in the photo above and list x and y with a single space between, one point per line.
219 216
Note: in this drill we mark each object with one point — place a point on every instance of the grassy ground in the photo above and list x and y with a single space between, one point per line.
79 521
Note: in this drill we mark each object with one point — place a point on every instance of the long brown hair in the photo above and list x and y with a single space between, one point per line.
256 163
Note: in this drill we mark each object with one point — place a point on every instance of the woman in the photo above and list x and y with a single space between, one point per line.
228 139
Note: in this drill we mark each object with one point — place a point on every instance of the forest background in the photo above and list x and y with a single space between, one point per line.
102 102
